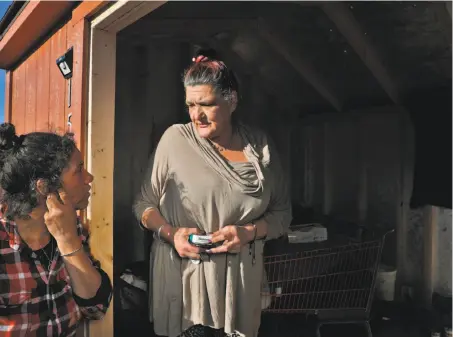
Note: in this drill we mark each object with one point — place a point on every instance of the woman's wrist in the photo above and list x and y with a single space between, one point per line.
256 230
165 233
251 232
69 247
153 221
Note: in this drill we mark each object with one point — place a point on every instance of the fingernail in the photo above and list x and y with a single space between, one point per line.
208 251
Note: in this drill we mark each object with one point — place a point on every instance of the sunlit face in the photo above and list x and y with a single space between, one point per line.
209 112
76 181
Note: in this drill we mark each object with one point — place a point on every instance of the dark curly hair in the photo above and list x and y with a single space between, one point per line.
25 159
213 72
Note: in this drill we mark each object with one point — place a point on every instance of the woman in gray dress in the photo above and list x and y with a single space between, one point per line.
212 175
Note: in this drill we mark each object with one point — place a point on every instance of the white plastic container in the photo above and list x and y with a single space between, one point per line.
385 283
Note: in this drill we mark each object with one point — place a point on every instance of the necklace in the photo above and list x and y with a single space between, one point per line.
223 148
219 148
49 259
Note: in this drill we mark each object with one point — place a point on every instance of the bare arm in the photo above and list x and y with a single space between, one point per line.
86 279
153 220
146 205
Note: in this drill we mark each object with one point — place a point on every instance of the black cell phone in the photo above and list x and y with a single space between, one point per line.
203 241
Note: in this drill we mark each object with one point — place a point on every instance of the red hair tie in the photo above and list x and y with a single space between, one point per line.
200 58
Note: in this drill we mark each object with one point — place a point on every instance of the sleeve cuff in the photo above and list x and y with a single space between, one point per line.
102 295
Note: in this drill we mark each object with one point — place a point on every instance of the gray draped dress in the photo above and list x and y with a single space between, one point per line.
193 186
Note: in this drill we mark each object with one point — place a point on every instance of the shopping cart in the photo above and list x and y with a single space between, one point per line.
336 284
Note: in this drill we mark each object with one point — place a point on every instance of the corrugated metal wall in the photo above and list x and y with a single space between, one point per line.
38 90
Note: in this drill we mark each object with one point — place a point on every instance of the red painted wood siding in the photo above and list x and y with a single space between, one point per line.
39 89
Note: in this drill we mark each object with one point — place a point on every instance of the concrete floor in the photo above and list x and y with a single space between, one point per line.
390 330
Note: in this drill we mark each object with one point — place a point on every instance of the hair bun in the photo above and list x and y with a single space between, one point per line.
209 53
8 136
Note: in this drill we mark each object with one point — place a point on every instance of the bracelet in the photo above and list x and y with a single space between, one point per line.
157 234
73 252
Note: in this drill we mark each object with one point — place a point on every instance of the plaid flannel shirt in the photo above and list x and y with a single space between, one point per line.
39 302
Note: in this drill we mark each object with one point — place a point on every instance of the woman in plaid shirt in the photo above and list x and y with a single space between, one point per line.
48 280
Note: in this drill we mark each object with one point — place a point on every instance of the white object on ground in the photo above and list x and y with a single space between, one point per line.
134 281
385 283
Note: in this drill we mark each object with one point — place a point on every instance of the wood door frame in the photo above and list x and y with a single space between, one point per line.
100 142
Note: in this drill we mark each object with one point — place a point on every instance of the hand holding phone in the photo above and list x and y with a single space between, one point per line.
231 238
61 220
182 244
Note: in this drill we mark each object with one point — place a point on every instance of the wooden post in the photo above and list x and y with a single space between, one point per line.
430 217
362 196
328 178
100 158
308 177
405 183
